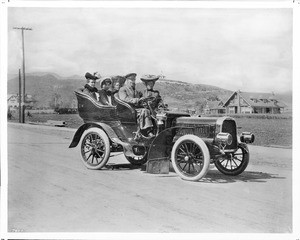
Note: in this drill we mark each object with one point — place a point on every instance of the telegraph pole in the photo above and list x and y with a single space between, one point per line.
19 98
23 66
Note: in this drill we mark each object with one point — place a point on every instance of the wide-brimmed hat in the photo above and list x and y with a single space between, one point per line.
105 79
129 75
149 77
98 75
90 76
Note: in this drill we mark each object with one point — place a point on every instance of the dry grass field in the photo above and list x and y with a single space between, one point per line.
268 132
274 131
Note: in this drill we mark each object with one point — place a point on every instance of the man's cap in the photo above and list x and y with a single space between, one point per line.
90 76
149 77
129 75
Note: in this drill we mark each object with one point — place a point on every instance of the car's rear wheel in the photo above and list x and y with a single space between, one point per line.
234 163
95 148
190 157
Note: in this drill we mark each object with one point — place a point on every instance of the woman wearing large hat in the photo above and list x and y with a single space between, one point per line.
89 87
149 82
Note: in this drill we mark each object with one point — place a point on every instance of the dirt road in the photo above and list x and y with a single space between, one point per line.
50 190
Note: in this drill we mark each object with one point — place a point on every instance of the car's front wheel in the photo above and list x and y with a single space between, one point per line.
95 148
233 164
190 157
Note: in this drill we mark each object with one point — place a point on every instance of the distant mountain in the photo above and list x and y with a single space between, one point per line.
40 74
183 95
50 89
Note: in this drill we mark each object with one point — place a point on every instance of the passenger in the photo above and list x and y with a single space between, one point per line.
129 94
89 87
116 88
105 94
118 82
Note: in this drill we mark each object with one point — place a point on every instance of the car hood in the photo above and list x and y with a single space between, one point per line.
196 120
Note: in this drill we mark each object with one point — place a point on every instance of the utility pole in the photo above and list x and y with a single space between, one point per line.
19 97
23 66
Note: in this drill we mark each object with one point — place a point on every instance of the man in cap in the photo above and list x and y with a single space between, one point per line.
129 94
89 87
105 94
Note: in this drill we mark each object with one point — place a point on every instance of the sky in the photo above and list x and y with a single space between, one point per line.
246 49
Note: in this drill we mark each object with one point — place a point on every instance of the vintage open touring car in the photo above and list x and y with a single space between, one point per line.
190 143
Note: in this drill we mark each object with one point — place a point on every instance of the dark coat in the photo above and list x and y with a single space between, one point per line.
91 91
103 97
154 93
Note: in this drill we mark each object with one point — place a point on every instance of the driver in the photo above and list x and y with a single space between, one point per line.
129 94
149 82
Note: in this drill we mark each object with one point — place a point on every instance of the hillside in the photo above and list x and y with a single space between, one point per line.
185 95
51 89
48 89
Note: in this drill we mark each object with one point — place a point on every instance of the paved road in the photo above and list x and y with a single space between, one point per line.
50 190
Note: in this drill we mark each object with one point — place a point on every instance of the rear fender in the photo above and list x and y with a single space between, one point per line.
106 128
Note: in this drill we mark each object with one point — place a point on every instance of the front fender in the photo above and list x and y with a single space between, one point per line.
106 128
161 146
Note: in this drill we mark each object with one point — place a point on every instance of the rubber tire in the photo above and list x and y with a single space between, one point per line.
241 168
197 140
106 142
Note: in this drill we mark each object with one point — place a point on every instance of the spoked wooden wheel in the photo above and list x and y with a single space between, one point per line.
234 163
190 157
95 148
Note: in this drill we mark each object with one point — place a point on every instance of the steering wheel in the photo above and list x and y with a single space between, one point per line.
146 100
